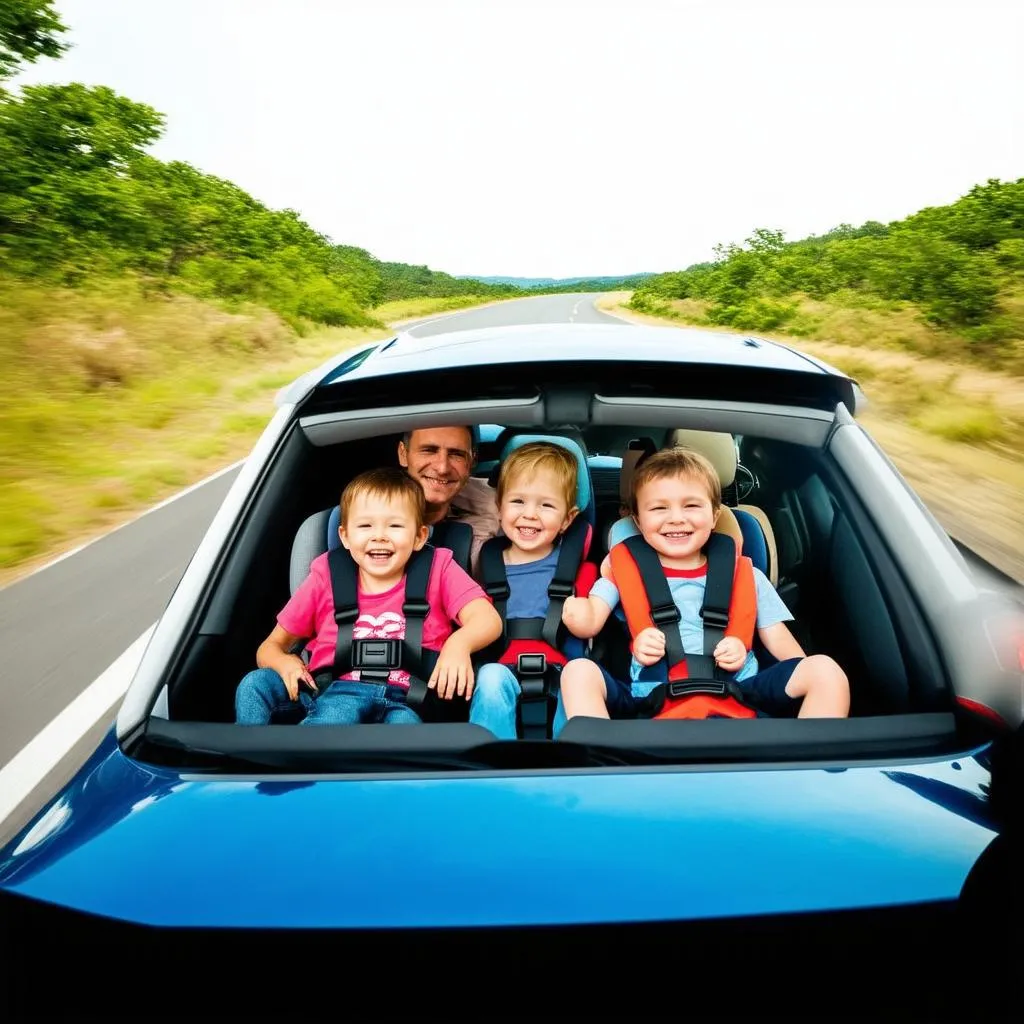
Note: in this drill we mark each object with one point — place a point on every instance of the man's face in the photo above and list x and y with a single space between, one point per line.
439 459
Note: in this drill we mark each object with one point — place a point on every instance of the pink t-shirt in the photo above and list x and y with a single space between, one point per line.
310 612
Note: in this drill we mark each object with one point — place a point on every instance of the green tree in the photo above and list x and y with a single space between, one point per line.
28 31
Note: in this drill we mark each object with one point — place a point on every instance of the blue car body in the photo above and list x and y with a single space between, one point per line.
571 849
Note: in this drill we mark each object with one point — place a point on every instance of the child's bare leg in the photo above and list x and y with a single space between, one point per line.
823 686
583 690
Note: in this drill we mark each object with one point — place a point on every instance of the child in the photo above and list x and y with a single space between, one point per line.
676 502
381 526
537 493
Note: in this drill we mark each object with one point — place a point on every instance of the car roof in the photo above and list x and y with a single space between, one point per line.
539 344
544 343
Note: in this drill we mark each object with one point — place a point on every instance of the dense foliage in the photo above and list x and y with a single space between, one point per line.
29 29
956 263
80 198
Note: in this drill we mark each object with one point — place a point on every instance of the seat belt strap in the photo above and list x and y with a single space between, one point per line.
563 583
664 613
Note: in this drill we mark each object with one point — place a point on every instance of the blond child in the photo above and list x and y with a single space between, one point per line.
537 495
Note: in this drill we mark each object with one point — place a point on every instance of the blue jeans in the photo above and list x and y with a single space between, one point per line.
262 694
494 702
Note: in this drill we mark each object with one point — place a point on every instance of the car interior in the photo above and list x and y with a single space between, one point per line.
790 508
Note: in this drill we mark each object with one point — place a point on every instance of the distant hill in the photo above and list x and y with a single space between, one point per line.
557 282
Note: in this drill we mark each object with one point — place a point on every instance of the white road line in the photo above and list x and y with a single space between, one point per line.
162 504
39 756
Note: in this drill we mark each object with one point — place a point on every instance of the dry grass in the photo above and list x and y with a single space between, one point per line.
115 399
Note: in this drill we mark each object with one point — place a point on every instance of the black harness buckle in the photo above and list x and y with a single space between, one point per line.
692 687
560 591
531 665
375 657
664 613
715 618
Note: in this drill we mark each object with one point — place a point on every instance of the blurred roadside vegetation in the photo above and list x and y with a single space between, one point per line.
946 282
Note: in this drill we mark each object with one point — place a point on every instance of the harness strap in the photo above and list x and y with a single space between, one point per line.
571 552
377 658
494 579
492 572
721 568
537 671
415 609
538 684
663 611
721 556
344 582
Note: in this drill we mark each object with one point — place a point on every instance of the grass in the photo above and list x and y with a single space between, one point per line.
970 425
115 398
410 309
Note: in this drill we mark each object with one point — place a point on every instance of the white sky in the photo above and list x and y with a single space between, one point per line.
567 138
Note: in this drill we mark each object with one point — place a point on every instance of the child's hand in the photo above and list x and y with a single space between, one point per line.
294 675
649 646
730 654
606 567
453 673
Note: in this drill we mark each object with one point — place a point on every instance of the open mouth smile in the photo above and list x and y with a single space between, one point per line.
528 532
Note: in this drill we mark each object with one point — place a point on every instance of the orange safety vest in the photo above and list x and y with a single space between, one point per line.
695 687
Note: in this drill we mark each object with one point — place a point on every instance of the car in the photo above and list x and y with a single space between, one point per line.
618 868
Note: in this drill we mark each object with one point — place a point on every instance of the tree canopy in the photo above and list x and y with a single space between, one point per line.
29 29
80 197
951 261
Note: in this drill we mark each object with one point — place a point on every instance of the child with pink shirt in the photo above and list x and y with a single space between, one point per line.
382 527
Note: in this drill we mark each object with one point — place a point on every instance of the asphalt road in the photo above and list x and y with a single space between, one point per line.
63 626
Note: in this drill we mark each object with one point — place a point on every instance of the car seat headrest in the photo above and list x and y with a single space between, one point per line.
718 448
584 491
637 450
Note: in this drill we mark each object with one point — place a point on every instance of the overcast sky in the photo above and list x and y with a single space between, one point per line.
569 137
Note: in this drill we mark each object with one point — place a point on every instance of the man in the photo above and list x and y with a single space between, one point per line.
441 459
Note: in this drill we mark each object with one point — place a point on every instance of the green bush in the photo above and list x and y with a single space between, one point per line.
754 314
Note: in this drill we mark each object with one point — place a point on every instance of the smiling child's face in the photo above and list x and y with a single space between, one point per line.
676 517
